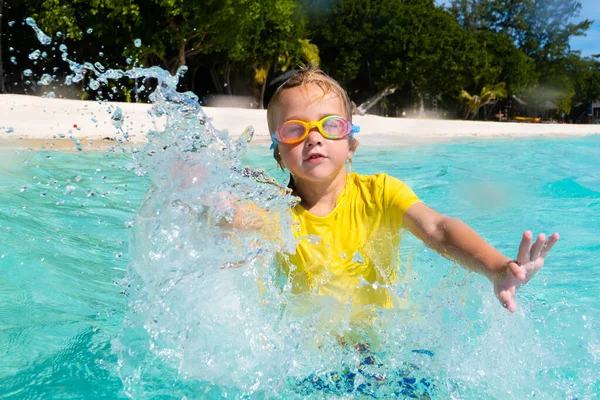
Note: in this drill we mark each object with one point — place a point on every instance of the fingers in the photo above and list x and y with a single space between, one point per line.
537 247
506 298
516 270
524 254
549 243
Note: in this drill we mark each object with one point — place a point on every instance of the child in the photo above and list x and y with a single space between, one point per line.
357 218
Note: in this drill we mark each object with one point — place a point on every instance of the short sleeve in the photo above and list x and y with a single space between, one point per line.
397 198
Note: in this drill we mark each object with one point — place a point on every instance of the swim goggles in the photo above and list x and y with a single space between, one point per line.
294 131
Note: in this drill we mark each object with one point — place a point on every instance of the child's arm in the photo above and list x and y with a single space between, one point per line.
455 240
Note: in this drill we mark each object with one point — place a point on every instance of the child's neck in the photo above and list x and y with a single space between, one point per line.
320 198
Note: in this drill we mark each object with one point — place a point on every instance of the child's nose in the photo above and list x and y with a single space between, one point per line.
314 136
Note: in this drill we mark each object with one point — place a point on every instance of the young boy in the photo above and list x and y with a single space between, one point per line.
357 218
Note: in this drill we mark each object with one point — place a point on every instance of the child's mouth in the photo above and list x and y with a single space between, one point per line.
315 158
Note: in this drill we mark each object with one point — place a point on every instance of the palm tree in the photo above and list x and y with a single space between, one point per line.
488 95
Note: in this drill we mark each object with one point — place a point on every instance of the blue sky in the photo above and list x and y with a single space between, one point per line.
589 44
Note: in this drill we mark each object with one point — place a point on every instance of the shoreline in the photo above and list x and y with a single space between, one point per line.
35 122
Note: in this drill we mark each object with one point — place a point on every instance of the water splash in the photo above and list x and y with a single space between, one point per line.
210 315
42 37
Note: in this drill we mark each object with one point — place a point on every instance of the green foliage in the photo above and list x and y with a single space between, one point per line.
75 17
413 48
489 94
371 45
587 80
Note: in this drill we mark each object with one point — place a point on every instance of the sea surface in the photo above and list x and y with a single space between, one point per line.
65 221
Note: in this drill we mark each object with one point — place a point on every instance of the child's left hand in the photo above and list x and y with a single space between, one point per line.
520 271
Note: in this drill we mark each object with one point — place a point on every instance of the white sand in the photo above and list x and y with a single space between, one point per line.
31 119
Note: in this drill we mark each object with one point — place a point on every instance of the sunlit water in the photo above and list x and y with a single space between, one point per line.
67 328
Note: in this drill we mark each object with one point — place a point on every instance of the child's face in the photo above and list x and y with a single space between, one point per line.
315 159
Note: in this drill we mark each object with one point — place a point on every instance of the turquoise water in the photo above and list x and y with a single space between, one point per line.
64 248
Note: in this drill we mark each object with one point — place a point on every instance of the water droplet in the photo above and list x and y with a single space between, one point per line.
11 23
42 37
117 118
63 48
50 95
34 55
45 80
11 49
128 60
358 258
9 129
13 60
68 79
99 66
89 31
77 178
23 188
44 54
137 42
59 34
94 84
100 54
182 70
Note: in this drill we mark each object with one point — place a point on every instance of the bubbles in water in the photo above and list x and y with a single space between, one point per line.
11 23
34 55
59 34
42 37
13 60
27 72
63 48
137 42
128 60
89 31
11 49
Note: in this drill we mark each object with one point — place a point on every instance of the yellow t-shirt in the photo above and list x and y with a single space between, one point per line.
351 253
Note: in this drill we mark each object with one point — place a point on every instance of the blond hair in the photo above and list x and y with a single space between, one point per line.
306 77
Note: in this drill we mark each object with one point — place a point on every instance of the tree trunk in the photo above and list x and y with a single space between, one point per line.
370 102
2 86
263 88
227 77
181 57
215 78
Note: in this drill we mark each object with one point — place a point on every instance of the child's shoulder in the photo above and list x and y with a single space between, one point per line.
380 180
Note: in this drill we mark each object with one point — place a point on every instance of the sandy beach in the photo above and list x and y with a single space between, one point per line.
31 121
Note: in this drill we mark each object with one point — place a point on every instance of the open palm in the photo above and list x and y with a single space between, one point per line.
529 260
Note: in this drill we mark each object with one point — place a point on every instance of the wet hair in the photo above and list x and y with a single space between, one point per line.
306 77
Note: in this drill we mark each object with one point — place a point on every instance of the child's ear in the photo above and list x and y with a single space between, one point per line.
353 145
